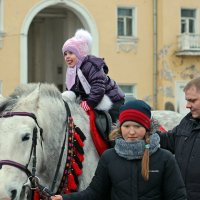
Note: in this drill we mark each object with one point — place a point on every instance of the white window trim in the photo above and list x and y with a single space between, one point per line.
134 22
134 91
196 19
188 42
127 43
180 98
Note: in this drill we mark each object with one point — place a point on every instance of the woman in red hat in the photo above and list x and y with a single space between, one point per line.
136 168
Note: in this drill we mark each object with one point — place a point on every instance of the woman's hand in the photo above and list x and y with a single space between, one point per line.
56 197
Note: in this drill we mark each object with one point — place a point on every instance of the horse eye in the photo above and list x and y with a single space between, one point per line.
26 137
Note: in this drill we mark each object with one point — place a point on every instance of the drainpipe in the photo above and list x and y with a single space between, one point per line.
155 54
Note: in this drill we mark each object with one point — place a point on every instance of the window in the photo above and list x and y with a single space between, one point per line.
125 22
129 91
126 29
180 98
189 39
188 21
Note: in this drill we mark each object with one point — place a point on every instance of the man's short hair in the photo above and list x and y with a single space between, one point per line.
194 82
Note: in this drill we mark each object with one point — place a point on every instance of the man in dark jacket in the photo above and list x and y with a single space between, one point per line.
184 141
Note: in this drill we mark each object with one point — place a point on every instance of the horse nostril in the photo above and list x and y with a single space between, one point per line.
13 194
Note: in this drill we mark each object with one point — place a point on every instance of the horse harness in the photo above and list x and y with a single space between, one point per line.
34 180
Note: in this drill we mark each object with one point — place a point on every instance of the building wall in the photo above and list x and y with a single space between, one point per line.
14 14
173 69
133 67
125 67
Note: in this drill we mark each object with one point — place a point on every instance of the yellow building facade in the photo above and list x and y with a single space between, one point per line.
152 47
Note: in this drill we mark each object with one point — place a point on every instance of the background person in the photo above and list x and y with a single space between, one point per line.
136 168
184 141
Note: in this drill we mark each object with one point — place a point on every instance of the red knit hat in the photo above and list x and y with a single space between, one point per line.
136 110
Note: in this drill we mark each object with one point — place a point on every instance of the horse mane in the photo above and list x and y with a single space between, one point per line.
23 90
46 90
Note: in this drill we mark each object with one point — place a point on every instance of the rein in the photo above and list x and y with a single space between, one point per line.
62 150
17 165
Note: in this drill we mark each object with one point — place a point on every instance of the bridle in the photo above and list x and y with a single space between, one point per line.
34 180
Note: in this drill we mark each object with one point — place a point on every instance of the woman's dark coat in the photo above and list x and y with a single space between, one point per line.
123 178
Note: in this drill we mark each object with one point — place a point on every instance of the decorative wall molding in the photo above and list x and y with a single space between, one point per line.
127 44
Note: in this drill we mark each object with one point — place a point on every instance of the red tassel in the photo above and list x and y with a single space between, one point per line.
36 195
99 143
80 156
67 191
71 182
76 168
78 139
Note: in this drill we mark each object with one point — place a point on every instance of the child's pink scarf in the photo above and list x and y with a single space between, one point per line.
70 77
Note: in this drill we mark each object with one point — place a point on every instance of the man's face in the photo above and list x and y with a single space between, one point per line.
192 96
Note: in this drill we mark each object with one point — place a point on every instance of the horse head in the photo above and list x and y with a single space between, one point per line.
16 140
27 111
36 114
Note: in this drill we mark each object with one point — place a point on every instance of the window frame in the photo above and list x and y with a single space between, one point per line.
129 94
180 101
186 21
133 22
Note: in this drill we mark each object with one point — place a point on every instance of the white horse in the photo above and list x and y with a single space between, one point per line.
16 133
39 109
166 118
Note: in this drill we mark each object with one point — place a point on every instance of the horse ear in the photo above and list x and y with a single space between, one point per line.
30 102
2 98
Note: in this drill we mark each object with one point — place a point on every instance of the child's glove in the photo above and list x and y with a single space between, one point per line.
84 105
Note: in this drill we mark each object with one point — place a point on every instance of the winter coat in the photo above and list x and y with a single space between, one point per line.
94 69
184 142
122 179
